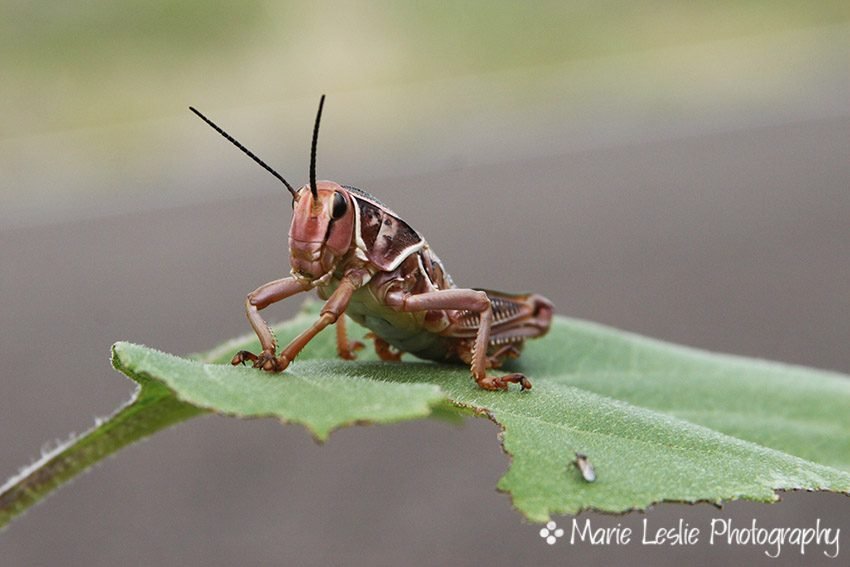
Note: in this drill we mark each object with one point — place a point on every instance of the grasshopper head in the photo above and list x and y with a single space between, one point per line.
323 214
321 231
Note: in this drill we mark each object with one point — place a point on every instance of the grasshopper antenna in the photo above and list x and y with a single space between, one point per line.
313 150
250 154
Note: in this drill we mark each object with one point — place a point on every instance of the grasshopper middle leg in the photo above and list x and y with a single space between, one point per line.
332 310
345 348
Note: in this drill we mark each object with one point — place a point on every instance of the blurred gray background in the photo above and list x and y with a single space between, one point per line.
678 171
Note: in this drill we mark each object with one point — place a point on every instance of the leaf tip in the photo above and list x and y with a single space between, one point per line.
115 354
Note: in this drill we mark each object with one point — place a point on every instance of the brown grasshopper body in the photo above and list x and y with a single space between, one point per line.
365 261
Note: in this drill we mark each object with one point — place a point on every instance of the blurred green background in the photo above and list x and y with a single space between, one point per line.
100 88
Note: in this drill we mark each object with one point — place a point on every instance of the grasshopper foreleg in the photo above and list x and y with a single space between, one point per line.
261 298
277 290
470 300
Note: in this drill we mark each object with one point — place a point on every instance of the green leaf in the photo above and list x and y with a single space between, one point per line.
658 422
313 394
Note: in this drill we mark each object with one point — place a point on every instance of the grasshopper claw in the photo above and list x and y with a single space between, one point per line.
517 378
241 356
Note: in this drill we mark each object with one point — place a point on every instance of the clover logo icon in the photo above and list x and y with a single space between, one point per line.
551 533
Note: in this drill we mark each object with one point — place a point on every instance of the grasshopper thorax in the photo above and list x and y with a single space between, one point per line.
321 231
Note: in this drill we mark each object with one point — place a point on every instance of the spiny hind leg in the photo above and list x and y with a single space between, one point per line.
464 300
466 352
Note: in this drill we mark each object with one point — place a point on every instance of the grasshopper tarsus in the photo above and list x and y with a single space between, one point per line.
242 356
264 361
502 382
384 350
350 353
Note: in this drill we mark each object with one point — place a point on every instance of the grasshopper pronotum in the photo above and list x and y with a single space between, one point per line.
366 261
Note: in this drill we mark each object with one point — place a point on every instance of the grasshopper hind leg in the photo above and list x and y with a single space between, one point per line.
471 300
466 352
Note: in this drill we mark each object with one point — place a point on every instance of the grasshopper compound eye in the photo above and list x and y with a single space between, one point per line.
340 206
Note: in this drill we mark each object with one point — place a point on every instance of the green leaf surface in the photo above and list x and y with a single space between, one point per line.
313 394
659 422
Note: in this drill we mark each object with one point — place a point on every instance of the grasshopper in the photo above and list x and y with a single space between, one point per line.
365 261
